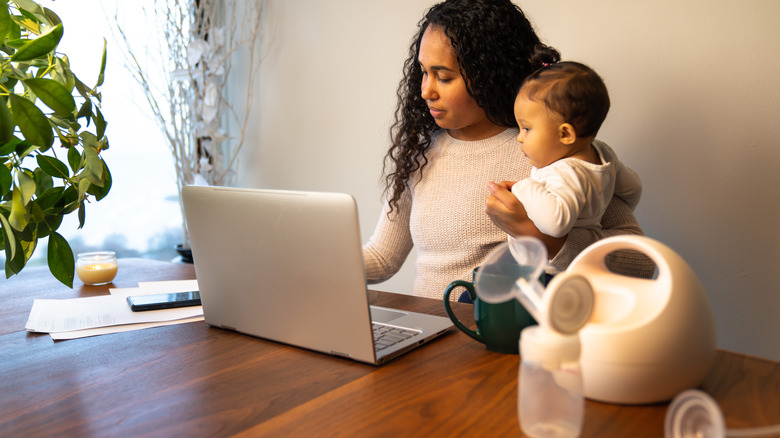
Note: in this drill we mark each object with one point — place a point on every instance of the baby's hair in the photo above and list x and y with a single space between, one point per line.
543 56
571 89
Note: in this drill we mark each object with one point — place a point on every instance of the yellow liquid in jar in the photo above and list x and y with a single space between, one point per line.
97 273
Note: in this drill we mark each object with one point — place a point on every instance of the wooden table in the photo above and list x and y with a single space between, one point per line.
194 380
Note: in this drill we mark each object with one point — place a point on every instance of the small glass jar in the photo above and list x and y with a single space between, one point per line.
96 268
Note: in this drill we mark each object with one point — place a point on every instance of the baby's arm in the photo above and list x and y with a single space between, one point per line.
555 201
508 214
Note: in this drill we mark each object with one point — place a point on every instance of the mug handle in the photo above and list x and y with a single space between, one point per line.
470 288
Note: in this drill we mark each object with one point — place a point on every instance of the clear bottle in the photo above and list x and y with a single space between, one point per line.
550 399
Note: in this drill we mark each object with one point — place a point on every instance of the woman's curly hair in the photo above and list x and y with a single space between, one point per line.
493 42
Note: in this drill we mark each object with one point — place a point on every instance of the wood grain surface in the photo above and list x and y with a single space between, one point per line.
195 380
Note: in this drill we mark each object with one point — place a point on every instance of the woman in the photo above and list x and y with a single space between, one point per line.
455 135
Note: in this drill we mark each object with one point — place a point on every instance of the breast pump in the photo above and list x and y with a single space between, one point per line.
640 340
550 399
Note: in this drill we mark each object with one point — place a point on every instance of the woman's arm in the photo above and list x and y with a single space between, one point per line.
389 246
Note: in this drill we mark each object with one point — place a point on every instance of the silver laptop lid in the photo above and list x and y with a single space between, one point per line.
282 265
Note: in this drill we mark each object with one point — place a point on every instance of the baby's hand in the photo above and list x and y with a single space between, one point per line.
505 210
505 184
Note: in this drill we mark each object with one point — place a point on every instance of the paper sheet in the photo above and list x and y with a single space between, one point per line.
61 336
81 317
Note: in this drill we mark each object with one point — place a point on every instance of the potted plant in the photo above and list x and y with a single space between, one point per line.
52 135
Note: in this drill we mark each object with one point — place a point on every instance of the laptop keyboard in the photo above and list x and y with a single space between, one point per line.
387 335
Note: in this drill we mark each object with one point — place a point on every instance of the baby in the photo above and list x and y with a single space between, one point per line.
559 110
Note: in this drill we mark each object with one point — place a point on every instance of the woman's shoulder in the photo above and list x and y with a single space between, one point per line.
604 150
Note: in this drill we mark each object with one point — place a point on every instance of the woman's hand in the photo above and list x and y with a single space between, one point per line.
508 214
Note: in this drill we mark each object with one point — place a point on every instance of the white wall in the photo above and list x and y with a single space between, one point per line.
695 110
327 97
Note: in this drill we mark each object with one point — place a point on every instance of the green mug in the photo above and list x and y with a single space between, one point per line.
498 325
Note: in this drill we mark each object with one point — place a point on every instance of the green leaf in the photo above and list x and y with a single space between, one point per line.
15 43
19 217
27 234
82 88
53 166
5 20
5 180
10 83
29 22
100 192
68 201
49 198
9 147
15 32
60 258
36 214
26 184
40 46
53 94
92 164
49 225
10 240
29 6
28 246
53 18
74 159
85 110
100 123
32 122
62 73
84 184
82 215
24 148
43 181
102 74
6 122
16 263
66 123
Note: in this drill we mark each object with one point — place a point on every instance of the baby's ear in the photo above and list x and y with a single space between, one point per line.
567 133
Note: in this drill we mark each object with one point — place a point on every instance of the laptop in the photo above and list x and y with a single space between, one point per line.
287 266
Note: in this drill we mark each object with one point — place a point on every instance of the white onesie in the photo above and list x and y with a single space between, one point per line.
574 193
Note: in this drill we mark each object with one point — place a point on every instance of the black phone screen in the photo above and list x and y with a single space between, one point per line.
139 303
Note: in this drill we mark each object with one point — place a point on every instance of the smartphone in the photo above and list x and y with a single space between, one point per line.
140 303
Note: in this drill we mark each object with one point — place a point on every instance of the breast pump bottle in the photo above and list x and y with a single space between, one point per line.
550 395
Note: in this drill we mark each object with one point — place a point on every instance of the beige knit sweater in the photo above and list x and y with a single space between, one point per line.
444 217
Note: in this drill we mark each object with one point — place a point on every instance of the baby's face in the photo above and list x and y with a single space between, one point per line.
540 133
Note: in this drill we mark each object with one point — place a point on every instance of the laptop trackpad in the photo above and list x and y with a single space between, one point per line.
385 315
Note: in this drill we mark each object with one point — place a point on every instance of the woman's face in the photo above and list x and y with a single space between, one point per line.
444 90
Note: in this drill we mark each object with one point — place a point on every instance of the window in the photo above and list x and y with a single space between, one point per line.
141 216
